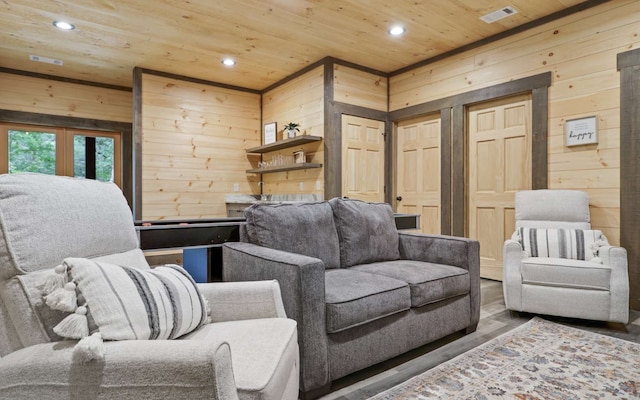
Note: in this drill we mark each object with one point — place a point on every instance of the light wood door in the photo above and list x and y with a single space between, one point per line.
418 170
499 165
362 158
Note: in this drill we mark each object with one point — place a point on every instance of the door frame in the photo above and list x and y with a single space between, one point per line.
333 170
454 138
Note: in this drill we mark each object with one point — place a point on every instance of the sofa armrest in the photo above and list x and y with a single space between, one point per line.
616 258
232 301
511 274
301 280
140 369
449 250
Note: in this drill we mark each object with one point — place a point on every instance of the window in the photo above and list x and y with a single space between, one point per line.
60 151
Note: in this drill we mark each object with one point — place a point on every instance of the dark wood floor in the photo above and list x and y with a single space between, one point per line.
494 321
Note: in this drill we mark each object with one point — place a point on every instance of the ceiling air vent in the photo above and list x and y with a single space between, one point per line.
504 12
45 60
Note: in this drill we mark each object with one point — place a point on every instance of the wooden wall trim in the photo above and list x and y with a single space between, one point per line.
136 153
539 133
359 111
521 28
629 65
194 80
332 137
125 129
458 175
359 67
446 126
62 79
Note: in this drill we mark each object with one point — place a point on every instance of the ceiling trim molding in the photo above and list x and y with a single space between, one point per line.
63 79
359 67
298 73
194 80
498 36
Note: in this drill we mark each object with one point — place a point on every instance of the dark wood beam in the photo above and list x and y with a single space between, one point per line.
629 66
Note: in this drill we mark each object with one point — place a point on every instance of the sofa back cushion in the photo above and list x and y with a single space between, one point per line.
545 208
302 228
44 219
367 232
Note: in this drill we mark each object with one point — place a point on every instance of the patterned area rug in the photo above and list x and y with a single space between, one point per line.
538 360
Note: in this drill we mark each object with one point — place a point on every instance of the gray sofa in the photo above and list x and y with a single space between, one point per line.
360 291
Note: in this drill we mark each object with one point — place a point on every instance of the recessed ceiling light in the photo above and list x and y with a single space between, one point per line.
397 30
229 62
65 26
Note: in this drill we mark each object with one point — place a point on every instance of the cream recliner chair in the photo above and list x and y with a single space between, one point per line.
570 273
249 351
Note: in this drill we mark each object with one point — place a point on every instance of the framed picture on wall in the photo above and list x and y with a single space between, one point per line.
581 131
270 130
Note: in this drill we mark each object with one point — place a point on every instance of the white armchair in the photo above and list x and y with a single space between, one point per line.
555 264
249 351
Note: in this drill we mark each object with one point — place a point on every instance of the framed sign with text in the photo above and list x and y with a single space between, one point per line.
270 130
581 131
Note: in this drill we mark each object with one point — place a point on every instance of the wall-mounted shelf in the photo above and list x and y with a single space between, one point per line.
283 144
290 167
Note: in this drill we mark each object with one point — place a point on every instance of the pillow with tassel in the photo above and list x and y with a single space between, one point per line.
576 244
112 302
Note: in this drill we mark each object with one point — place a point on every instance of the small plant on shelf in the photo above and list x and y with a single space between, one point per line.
291 128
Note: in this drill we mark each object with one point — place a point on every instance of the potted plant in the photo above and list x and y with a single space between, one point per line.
291 128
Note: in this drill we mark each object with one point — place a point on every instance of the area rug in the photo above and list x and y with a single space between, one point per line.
538 360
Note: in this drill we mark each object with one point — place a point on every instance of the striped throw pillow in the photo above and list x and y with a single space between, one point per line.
576 244
127 303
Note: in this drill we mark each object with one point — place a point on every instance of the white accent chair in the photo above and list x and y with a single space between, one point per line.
561 286
249 351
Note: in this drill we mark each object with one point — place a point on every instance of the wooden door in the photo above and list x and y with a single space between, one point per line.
362 158
499 165
418 170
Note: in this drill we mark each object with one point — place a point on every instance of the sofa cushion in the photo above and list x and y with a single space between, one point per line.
354 298
561 272
428 282
264 355
367 231
302 228
576 244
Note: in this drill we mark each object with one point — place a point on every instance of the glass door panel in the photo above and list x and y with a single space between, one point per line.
94 157
31 151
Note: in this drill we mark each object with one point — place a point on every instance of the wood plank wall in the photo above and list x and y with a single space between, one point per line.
44 96
299 100
194 138
360 88
580 50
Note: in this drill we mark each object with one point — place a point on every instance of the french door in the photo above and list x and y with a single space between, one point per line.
60 151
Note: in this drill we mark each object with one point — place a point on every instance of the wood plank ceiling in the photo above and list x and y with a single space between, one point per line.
269 39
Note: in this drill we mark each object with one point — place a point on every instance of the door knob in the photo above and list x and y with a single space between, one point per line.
399 198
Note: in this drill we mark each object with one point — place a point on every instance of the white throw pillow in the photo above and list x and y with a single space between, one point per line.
125 303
